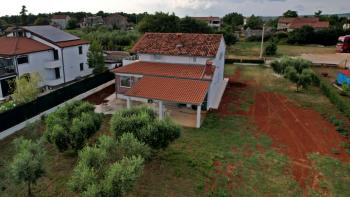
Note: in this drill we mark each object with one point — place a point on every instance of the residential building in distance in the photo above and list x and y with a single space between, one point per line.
178 68
57 56
116 21
114 59
92 21
290 24
60 21
212 21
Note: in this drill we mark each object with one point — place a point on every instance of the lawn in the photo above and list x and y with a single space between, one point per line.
252 49
228 155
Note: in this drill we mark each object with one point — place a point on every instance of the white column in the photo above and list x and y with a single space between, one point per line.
128 103
160 110
198 123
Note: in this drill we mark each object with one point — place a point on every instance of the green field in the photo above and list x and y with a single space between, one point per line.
226 156
252 49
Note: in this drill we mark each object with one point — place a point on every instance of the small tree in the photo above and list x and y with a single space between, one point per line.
129 146
26 88
271 48
23 14
27 165
254 22
298 72
290 13
96 58
70 126
72 23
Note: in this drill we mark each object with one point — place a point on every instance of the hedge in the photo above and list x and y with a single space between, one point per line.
238 60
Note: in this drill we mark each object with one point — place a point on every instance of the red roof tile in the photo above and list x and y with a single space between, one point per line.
170 89
10 46
71 43
182 44
316 25
163 69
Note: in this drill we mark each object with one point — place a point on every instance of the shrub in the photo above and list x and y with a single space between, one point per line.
26 88
27 165
93 157
143 123
271 48
129 146
83 177
70 126
122 175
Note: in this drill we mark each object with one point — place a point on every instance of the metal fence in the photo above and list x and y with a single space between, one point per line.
26 111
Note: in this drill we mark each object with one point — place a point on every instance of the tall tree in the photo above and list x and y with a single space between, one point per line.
190 25
233 19
96 58
290 13
27 164
255 22
23 14
318 13
159 22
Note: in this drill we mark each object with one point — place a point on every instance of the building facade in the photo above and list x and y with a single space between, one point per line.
60 21
58 57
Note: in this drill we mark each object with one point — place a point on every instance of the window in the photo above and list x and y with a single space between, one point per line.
55 54
22 59
57 73
81 66
125 82
80 50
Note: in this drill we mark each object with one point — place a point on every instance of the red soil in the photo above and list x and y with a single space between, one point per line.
295 131
99 97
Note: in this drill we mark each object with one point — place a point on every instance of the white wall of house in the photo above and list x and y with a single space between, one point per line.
173 59
72 60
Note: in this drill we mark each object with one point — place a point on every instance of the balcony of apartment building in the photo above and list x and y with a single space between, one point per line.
7 68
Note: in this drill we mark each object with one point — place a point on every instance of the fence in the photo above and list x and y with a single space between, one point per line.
244 60
26 111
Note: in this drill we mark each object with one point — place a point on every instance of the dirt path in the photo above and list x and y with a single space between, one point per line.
295 131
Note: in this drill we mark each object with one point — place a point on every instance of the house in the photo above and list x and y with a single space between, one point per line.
60 21
346 26
249 33
175 68
92 21
57 56
212 21
114 59
116 21
289 24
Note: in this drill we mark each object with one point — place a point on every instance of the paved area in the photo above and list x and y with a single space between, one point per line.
334 59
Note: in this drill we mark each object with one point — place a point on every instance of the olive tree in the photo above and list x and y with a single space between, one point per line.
27 165
26 88
143 123
71 125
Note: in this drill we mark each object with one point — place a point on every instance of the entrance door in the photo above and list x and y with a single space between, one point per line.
6 86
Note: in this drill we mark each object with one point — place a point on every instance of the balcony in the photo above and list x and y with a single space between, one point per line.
6 71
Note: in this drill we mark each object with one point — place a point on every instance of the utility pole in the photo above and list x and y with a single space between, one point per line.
262 41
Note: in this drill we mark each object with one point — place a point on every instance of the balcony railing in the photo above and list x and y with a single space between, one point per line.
7 71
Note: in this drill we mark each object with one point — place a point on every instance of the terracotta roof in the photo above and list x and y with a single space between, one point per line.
163 69
170 89
182 44
71 43
316 25
59 16
10 46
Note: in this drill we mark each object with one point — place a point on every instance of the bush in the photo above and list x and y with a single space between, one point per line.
129 146
70 126
83 177
271 48
93 157
143 123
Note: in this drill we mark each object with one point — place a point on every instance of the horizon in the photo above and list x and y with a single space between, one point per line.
265 8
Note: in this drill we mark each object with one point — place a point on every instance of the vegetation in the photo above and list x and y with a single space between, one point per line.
290 13
71 125
72 23
145 126
271 48
99 172
23 14
233 19
27 165
254 22
296 70
26 88
96 58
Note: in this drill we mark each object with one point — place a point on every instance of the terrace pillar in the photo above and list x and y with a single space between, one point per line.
128 103
160 110
198 122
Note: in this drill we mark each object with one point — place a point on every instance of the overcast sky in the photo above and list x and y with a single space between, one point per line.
180 7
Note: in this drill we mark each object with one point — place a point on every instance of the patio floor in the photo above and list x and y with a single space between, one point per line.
181 115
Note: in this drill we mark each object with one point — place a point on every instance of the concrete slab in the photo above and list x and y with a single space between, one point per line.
335 59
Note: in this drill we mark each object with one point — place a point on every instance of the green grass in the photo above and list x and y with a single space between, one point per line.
252 49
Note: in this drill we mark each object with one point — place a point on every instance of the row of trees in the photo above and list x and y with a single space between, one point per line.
108 168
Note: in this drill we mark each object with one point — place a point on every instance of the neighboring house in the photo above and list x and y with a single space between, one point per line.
290 24
92 21
57 56
178 68
114 59
212 21
117 21
60 21
346 26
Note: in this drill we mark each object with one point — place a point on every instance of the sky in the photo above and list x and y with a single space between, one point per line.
180 7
